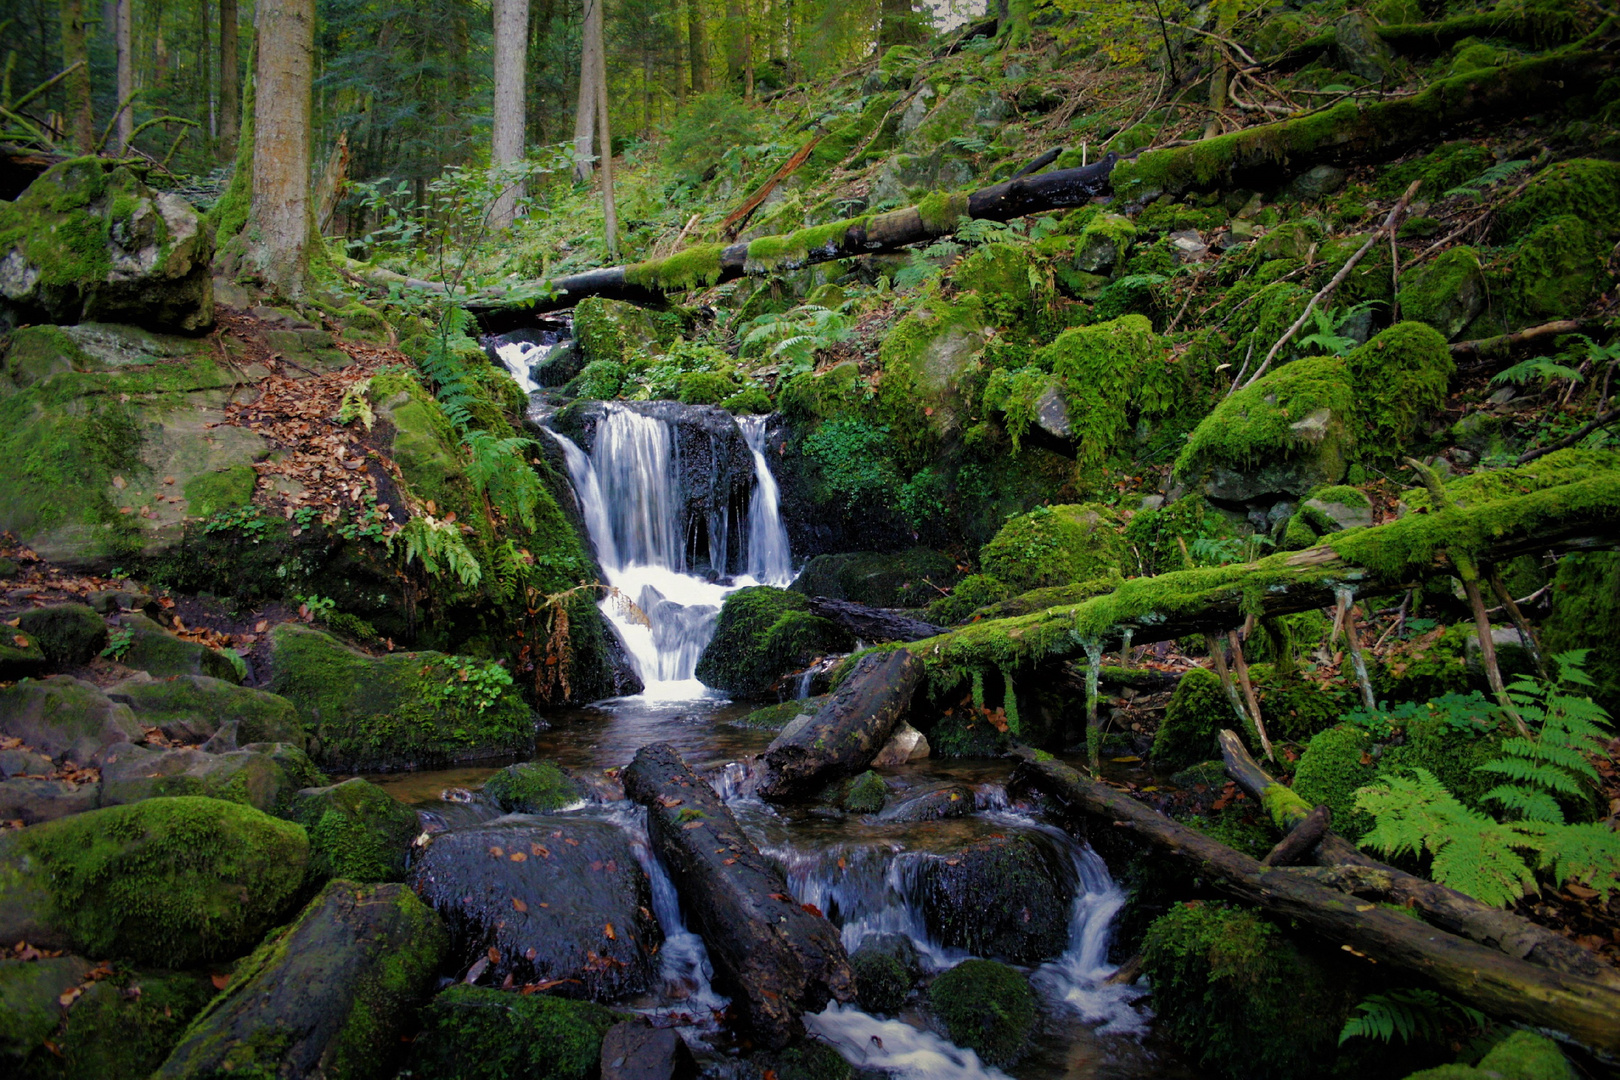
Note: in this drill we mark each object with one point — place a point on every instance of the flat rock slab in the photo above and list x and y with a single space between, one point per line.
555 899
635 1050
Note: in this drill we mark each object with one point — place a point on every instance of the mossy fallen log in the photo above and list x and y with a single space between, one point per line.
1356 133
777 958
1492 981
703 265
1344 867
1538 28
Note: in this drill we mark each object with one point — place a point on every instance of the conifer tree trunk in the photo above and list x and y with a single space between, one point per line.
733 40
697 46
278 229
81 115
122 34
511 50
229 78
585 111
899 24
604 134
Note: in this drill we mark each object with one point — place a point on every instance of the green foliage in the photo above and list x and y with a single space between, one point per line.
599 380
794 337
986 1007
440 548
1325 338
705 129
1054 545
866 794
1197 711
471 1033
971 593
763 634
855 463
1536 367
1498 173
1407 1014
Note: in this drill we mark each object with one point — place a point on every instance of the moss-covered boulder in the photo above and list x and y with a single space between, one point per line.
331 995
763 634
1523 1055
882 982
161 654
1584 187
533 787
21 656
1239 998
65 719
1104 244
1116 381
167 881
470 1033
1054 545
30 1009
924 358
1335 764
970 594
70 635
1197 712
265 777
985 1007
89 241
400 711
879 579
866 794
1555 270
357 831
613 330
1006 897
119 1028
192 708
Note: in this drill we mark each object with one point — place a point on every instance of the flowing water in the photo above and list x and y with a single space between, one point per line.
864 872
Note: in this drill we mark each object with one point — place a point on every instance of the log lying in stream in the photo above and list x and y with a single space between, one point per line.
1500 985
1345 868
870 623
777 958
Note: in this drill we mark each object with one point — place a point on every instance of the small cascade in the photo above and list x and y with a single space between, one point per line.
895 1047
769 561
520 358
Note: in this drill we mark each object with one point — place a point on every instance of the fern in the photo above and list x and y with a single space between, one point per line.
499 469
1568 729
1536 367
793 338
356 405
1497 173
440 548
1408 1013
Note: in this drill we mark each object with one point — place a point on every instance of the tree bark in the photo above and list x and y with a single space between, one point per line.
734 42
870 623
229 80
847 731
81 114
1492 981
511 19
585 111
777 958
1348 870
279 220
697 46
604 134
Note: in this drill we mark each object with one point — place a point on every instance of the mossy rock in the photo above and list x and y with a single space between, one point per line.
1433 664
879 579
985 1007
29 1008
1197 712
866 794
763 634
1104 244
331 995
807 1059
533 787
1585 608
1000 274
970 594
613 330
357 831
403 710
1007 897
1054 545
167 881
65 718
191 708
1116 377
924 359
882 983
778 716
265 777
160 654
1555 270
1523 1055
1335 764
21 657
70 635
470 1033
121 1028
1583 187
1240 998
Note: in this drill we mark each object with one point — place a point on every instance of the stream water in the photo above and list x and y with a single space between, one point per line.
864 872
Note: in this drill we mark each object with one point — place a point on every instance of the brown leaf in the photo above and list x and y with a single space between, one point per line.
668 801
20 641
812 909
497 852
118 482
220 981
519 905
261 626
1580 892
690 825
494 955
608 930
539 851
518 856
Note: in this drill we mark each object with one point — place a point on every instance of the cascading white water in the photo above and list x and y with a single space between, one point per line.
629 494
520 357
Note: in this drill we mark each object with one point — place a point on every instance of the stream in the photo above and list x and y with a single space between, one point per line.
864 872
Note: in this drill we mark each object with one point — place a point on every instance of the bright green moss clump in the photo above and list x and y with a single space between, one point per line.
357 831
1115 374
763 634
1294 411
1054 545
697 266
971 593
1399 376
533 787
1585 188
1198 710
174 881
471 1033
986 1007
1337 762
866 794
1523 1055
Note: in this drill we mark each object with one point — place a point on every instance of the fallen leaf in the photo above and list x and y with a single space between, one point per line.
518 856
519 905
608 930
539 851
118 482
220 981
494 955
690 825
812 909
497 852
20 641
1580 892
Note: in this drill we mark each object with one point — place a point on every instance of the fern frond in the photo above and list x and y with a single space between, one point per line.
1526 804
1588 852
1408 1012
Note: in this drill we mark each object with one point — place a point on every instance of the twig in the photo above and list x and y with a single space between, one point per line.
1602 421
1338 279
46 85
1445 240
1248 690
1527 637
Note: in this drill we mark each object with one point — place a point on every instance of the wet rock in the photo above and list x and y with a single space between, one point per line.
1318 182
69 634
469 1033
250 777
21 656
159 653
1361 51
32 800
1052 414
191 708
65 718
167 881
329 996
1187 245
950 801
866 794
762 635
533 787
30 1009
545 899
878 579
882 982
123 1026
357 831
1104 244
1344 513
905 745
1004 897
635 1050
1447 292
21 761
986 1007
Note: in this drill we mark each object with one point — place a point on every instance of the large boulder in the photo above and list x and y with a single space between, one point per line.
925 357
90 241
69 635
1007 896
356 831
545 899
400 711
161 654
879 579
763 634
1055 545
332 995
65 719
167 881
192 708
266 777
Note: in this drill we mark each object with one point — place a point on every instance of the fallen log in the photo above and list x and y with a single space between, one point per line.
1501 347
1299 840
709 264
870 623
1492 981
777 958
847 731
1344 867
1433 38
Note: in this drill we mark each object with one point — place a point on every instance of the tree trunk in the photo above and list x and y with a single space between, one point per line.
776 957
279 221
511 50
585 111
733 43
847 731
123 45
870 623
899 25
81 113
604 135
697 46
205 69
1492 981
229 80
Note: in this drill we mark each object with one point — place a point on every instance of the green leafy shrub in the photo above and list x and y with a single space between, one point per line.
855 463
600 380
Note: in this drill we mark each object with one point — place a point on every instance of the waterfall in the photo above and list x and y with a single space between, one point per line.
520 357
629 492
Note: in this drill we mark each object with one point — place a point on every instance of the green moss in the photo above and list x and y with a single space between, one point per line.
357 831
1297 708
1294 411
533 787
1426 667
1197 712
211 492
706 388
814 244
1238 827
970 594
1585 609
1336 763
1054 545
1585 188
470 1033
1555 270
171 881
1115 375
68 634
778 716
924 359
1239 997
986 1007
882 983
1002 275
123 1027
600 380
941 211
1105 242
809 1059
698 265
866 794
1445 292
763 634
1400 375
751 400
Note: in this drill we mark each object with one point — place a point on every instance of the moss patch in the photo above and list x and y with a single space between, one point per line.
986 1007
763 634
1054 545
533 787
357 831
470 1033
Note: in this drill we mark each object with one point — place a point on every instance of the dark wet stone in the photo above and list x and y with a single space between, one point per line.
635 1050
1007 897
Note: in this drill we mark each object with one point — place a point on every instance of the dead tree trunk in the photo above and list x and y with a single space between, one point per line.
870 623
1492 981
848 730
778 958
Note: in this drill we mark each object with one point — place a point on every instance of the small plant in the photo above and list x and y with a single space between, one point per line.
1537 367
792 339
1492 176
475 683
316 607
248 520
356 405
440 548
1327 338
1410 1013
118 643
